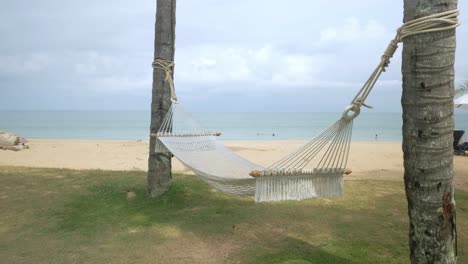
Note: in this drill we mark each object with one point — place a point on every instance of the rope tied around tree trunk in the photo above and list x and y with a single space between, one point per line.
168 68
429 24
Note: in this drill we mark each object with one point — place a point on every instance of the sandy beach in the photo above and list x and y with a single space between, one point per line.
368 160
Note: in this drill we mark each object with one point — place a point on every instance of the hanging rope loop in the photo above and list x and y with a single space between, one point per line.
428 24
351 112
168 67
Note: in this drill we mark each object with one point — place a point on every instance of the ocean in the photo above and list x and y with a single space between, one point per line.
134 125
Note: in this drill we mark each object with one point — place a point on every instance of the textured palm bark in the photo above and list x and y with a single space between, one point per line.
427 101
159 163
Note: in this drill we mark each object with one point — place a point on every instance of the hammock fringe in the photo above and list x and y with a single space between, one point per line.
298 187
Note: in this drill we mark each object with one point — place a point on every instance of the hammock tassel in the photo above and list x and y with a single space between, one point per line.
297 187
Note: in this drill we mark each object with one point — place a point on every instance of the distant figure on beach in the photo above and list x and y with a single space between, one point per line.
273 134
376 137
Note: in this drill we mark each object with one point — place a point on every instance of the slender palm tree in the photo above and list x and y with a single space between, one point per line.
427 101
159 162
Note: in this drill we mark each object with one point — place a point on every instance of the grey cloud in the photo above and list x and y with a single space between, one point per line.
97 54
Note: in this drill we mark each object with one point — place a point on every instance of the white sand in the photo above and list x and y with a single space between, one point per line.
368 160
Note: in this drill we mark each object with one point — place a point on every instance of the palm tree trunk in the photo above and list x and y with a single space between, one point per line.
427 101
159 163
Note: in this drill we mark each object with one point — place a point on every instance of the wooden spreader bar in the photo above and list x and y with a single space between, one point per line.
156 135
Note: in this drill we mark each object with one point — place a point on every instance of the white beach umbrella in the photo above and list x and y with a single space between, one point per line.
462 101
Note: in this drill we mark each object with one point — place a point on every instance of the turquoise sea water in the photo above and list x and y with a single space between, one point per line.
133 125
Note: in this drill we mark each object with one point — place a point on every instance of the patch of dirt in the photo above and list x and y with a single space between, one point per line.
190 248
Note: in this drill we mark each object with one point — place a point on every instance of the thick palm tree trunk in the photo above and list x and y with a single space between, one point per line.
159 163
428 90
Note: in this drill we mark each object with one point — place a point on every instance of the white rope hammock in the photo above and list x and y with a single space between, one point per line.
314 170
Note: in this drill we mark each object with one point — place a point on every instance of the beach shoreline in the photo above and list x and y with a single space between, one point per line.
369 160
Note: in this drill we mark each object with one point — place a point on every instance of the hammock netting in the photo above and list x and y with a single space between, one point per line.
292 178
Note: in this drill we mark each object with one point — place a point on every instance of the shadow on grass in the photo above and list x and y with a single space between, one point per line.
90 209
193 207
190 204
294 251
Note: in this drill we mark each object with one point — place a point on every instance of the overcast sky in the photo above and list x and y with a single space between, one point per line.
243 55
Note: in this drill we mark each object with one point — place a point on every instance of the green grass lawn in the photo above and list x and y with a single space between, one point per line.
70 216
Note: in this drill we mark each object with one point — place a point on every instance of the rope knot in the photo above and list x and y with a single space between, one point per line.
168 67
360 102
389 52
356 105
